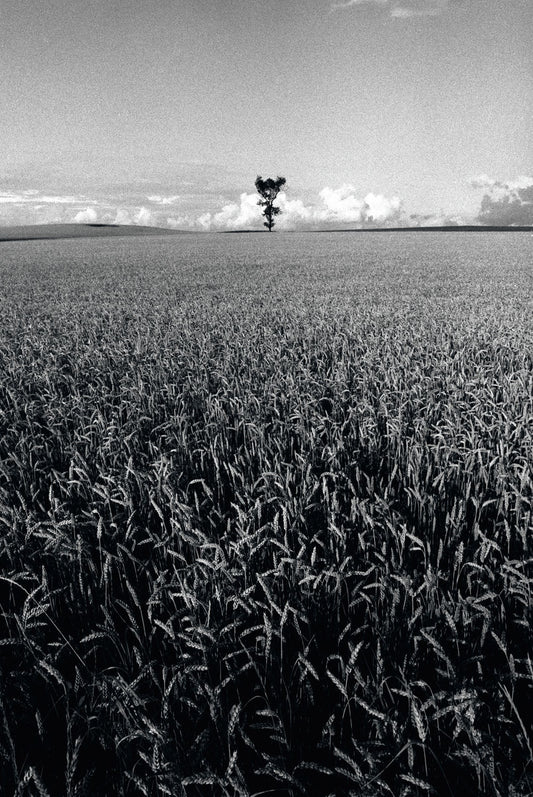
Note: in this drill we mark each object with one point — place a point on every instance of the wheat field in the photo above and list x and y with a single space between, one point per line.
265 511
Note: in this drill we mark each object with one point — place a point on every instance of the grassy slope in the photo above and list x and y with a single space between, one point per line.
46 231
266 530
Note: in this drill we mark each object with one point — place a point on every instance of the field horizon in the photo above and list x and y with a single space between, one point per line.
27 232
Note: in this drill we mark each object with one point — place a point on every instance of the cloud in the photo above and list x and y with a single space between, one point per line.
87 216
31 196
401 9
349 3
242 214
294 212
483 181
141 216
379 208
122 216
144 217
506 203
178 222
331 207
342 206
436 220
246 214
204 221
31 206
163 200
335 206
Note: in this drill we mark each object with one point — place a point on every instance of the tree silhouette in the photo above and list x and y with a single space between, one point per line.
269 189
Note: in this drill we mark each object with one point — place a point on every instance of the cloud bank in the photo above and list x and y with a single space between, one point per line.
87 216
502 203
32 206
342 205
336 207
505 203
401 9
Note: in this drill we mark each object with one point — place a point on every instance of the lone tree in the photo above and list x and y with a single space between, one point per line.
269 189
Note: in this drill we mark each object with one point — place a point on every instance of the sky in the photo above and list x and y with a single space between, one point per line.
163 112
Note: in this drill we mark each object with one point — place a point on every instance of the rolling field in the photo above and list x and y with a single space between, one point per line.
266 515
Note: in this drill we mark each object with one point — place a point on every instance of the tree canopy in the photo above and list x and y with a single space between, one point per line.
268 190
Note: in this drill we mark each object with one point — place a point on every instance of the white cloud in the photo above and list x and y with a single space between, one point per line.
332 206
233 215
122 216
293 212
380 208
335 206
349 3
60 200
340 205
157 199
140 216
9 198
178 222
30 206
32 196
519 183
87 216
246 214
242 214
143 217
401 9
483 181
204 221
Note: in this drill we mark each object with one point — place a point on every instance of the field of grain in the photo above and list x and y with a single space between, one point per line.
265 511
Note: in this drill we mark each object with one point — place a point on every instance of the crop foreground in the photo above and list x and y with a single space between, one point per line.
266 520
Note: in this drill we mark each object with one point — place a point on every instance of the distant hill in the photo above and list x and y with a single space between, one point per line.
31 232
443 228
